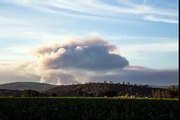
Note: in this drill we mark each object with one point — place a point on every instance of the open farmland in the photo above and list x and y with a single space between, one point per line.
88 108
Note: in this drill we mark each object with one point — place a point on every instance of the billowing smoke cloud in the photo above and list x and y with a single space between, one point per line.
74 62
89 55
59 78
79 62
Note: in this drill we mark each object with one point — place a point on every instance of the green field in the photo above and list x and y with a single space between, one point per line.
80 108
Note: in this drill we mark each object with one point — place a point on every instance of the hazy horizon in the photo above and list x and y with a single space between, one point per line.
66 42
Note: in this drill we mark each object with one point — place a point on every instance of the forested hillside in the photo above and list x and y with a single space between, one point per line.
113 89
97 90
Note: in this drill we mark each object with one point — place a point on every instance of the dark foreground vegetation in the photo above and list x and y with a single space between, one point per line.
79 108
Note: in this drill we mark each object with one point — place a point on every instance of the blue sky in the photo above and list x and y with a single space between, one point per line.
144 31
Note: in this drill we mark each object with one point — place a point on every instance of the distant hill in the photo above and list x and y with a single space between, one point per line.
112 89
26 86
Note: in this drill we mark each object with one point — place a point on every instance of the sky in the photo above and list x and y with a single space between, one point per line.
65 42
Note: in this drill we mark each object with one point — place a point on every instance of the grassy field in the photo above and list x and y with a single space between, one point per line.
88 108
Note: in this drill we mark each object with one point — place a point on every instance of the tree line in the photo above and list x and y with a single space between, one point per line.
98 90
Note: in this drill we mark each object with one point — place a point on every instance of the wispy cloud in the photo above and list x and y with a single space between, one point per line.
160 19
97 8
